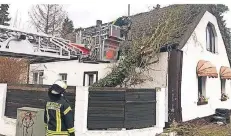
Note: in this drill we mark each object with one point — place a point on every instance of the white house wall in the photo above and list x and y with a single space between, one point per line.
75 71
195 50
73 68
157 74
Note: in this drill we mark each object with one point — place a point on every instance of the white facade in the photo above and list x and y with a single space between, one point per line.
195 50
81 106
75 72
73 69
158 73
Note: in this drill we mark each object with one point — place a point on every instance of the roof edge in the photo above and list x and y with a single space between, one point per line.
189 32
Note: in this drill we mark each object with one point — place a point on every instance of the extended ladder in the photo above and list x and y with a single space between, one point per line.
101 40
42 44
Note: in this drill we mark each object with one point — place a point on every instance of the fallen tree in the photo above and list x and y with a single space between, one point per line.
143 50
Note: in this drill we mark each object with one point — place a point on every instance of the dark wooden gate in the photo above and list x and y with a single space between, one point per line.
34 96
106 108
140 108
110 108
174 86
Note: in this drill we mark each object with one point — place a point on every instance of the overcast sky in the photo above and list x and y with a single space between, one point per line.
82 14
86 13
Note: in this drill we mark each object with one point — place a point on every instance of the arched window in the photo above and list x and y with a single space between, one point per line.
211 38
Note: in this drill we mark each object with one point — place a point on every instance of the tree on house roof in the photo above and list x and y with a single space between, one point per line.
172 25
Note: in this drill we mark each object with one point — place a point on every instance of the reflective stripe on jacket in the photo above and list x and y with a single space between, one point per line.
59 119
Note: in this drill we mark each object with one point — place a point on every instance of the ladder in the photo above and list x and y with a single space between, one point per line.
41 43
98 39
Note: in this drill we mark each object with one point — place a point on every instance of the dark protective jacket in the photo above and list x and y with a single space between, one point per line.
58 117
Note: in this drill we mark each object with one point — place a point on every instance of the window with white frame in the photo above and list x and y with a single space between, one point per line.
38 77
63 77
211 35
90 77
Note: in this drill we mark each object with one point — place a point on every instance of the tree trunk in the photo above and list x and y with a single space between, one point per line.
54 22
47 21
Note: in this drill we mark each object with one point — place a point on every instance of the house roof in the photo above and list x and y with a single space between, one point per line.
189 15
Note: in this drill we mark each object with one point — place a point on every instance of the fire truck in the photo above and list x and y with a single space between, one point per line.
97 43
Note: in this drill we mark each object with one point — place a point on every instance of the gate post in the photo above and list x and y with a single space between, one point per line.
160 107
3 90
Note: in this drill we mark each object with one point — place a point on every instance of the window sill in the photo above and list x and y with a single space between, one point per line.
202 103
216 53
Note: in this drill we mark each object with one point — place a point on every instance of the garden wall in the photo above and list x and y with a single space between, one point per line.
81 116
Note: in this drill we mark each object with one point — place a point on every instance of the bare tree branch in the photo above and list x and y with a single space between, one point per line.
47 18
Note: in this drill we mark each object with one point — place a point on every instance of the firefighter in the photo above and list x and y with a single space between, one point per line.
58 115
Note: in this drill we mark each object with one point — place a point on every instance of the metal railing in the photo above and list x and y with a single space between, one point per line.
40 42
95 38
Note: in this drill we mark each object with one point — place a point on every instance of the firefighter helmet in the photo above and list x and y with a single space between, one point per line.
58 87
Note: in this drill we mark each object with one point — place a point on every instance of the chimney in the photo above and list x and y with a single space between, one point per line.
98 22
128 9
